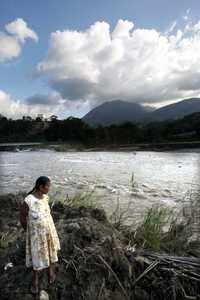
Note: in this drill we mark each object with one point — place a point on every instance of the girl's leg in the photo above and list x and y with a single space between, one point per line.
51 269
51 273
36 281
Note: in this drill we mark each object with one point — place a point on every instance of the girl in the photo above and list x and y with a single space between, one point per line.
42 241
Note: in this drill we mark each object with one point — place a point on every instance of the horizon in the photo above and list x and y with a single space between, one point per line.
49 118
65 61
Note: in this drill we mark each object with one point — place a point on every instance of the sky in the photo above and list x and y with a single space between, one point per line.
66 57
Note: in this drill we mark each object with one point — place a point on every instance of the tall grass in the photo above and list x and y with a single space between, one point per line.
86 198
121 215
150 233
133 182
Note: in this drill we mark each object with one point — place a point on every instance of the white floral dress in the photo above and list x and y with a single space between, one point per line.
42 241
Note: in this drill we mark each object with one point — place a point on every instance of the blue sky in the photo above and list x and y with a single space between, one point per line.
18 78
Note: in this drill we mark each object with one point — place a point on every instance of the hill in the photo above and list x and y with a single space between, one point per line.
176 110
116 111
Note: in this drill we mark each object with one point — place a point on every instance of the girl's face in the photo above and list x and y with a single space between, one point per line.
45 189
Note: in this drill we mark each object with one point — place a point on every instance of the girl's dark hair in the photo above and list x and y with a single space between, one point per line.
42 180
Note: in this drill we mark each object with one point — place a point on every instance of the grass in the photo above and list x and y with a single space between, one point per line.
161 228
6 238
133 182
85 198
174 232
120 215
150 233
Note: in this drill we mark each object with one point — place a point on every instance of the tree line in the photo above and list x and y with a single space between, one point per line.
75 129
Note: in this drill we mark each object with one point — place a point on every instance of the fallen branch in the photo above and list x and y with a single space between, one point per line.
152 266
114 274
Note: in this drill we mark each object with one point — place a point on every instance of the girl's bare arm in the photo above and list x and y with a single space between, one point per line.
24 214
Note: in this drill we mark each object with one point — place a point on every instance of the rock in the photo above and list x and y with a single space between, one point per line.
43 295
8 265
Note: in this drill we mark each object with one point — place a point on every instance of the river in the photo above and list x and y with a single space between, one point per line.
138 178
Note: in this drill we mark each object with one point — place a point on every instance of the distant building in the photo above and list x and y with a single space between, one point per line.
40 117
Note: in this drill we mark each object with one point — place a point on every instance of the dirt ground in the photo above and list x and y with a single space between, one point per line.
95 262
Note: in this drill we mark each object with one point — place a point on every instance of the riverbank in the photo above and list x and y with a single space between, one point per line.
149 147
100 258
62 147
17 147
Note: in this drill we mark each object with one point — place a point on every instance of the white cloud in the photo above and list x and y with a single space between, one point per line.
186 17
11 42
139 65
122 29
20 29
9 107
197 27
171 28
9 47
16 109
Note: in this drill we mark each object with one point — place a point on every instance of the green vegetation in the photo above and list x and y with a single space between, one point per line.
120 215
150 233
6 238
74 130
85 198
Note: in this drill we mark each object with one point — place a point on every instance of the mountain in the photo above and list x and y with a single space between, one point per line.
176 110
116 112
